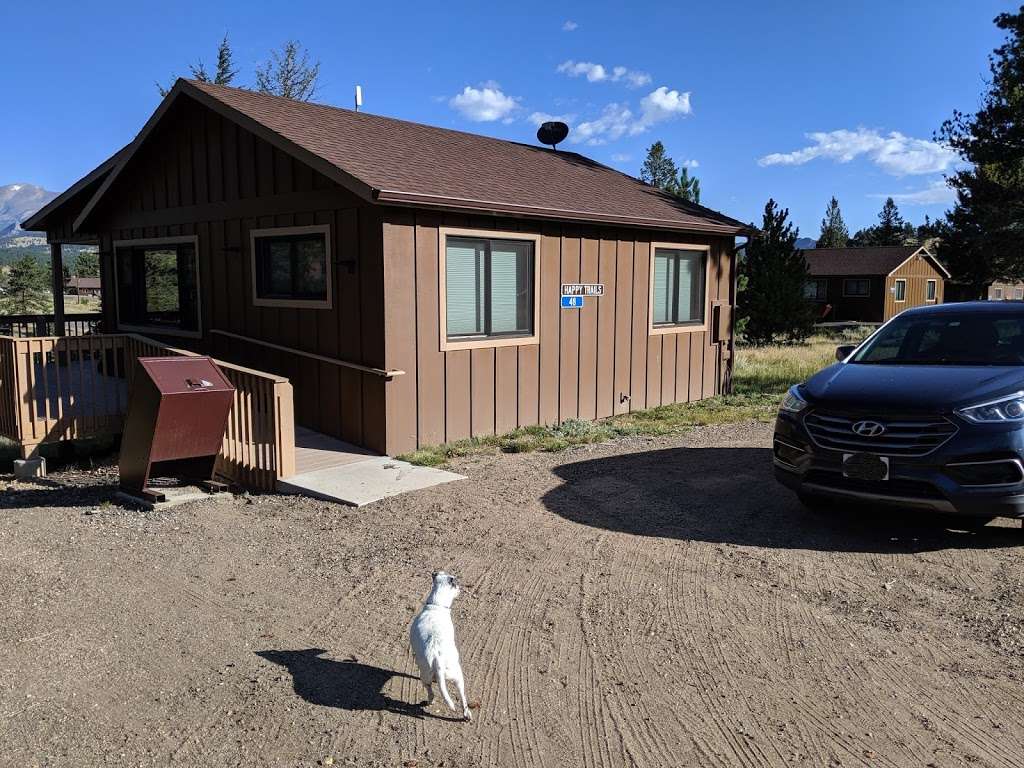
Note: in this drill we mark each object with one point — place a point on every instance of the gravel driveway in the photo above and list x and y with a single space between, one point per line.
655 603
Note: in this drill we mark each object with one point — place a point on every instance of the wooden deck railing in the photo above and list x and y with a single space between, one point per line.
24 326
54 389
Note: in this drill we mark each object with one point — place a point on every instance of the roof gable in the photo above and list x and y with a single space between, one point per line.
868 262
397 162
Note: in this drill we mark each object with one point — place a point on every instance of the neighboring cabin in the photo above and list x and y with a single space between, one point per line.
1006 292
872 284
82 286
405 278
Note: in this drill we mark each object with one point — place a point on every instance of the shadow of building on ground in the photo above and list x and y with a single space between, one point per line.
729 495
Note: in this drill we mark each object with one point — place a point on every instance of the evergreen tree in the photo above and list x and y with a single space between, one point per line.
772 304
891 229
225 68
986 226
833 229
686 187
25 288
289 73
658 169
87 264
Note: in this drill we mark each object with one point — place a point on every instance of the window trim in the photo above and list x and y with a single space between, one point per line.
148 329
895 293
997 294
935 298
448 345
847 295
664 328
325 230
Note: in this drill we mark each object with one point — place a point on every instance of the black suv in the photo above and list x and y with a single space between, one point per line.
926 413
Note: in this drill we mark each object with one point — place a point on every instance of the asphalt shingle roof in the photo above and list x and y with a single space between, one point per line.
825 262
413 163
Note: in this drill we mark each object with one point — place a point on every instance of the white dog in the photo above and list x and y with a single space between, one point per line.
432 636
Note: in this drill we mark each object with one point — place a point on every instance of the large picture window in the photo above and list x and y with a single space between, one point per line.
678 288
489 289
158 286
292 267
816 289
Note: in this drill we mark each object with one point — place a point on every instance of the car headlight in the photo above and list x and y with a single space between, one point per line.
1009 409
793 402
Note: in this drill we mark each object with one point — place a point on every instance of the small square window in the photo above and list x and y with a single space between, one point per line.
292 267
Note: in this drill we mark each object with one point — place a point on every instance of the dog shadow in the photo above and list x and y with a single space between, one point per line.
343 684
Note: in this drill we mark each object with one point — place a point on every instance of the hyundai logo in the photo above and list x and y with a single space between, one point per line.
868 428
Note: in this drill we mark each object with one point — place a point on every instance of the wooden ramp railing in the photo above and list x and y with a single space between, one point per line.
68 388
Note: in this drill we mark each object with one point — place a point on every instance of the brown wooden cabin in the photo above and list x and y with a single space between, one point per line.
405 278
871 285
82 286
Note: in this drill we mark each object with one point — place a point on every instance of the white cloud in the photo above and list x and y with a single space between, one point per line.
894 153
938 192
619 157
596 73
689 164
662 104
618 120
483 104
570 26
614 123
539 118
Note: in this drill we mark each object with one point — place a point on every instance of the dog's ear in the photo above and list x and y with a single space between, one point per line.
433 576
453 581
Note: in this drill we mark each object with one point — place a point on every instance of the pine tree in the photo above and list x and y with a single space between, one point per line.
289 73
87 264
771 303
687 187
833 229
985 233
891 229
25 288
658 169
225 68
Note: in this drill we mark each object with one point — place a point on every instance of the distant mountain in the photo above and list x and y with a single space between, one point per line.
17 202
803 243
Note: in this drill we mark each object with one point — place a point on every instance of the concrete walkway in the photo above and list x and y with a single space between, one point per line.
333 470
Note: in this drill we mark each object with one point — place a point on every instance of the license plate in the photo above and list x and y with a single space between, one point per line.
865 466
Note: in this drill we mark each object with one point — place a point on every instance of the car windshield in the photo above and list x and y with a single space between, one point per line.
947 339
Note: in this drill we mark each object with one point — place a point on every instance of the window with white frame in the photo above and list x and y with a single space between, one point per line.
931 290
900 290
678 287
856 287
490 288
1018 293
291 267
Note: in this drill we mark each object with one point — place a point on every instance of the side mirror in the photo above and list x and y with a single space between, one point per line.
843 351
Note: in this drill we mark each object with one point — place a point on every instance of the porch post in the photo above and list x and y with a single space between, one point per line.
57 271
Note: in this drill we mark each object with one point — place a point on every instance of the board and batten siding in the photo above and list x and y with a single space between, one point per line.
202 175
916 271
589 363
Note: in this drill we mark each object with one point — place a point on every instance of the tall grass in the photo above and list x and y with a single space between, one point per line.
761 376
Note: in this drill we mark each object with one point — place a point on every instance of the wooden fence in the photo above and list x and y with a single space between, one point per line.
24 326
54 389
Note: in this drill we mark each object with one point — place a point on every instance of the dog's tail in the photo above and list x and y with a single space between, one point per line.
442 683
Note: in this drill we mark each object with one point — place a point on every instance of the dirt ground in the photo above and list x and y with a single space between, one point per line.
653 603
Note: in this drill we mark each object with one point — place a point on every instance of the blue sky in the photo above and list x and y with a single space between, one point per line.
792 100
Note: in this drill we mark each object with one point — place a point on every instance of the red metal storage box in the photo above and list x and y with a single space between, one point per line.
177 413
